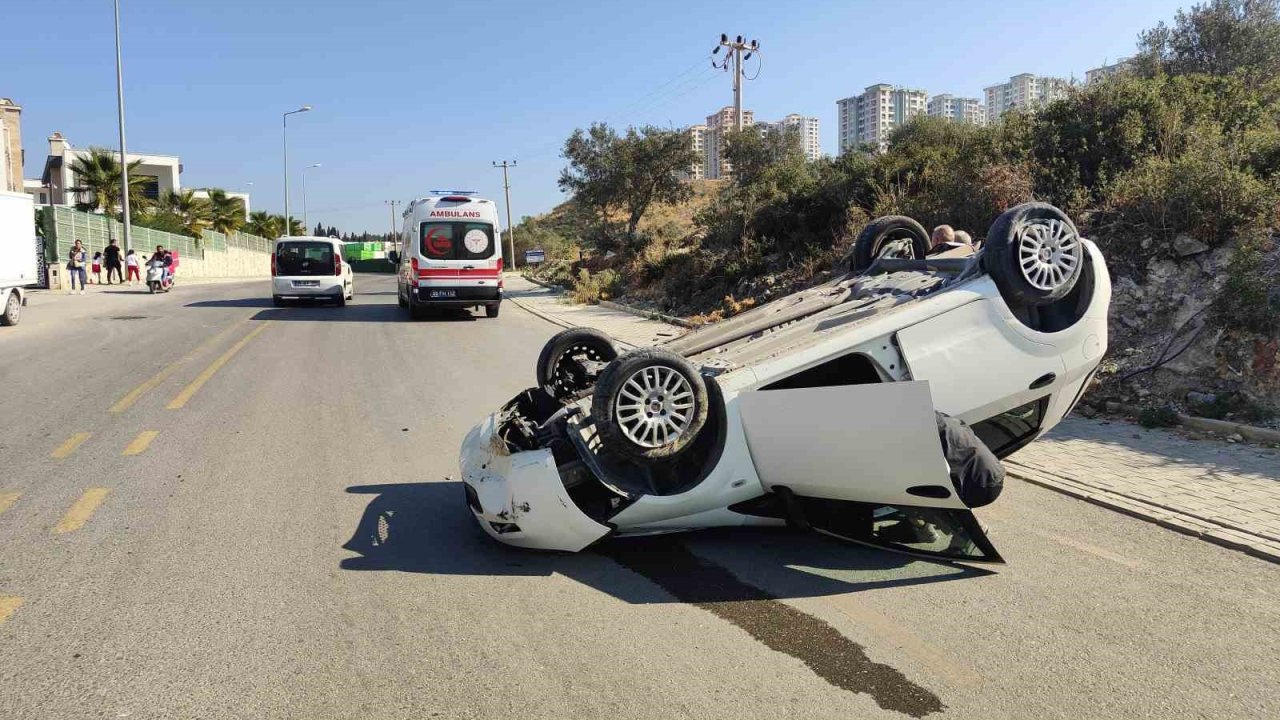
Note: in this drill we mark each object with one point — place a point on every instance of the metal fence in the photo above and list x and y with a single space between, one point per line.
97 231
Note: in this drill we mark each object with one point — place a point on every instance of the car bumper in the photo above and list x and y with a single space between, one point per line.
456 296
518 498
325 287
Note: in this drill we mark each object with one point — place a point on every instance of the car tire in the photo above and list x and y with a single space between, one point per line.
649 405
564 382
401 300
12 310
491 310
1034 254
341 300
872 240
277 301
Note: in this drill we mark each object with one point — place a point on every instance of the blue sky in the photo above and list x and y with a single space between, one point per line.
411 96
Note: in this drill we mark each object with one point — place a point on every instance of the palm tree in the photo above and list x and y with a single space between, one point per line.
98 182
195 212
262 224
295 225
226 212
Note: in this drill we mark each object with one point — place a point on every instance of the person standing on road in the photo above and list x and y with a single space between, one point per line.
131 260
75 266
97 267
111 258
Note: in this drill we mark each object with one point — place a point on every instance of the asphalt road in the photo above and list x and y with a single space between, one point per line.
211 508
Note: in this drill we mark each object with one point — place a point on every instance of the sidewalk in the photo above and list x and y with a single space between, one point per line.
1228 494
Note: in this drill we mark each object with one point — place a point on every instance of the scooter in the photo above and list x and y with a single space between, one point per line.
158 277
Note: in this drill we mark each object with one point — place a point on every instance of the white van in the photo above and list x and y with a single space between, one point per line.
452 254
310 268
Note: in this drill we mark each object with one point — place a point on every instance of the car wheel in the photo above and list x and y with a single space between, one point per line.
491 310
1034 254
649 404
560 364
341 300
12 310
889 236
277 301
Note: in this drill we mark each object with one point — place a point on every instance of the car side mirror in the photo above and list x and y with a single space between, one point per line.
394 257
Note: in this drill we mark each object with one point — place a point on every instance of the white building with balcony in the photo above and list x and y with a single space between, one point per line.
1023 91
869 118
806 129
958 109
162 172
719 124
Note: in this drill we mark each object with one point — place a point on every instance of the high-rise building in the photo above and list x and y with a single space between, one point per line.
958 109
1099 74
10 146
807 131
715 166
867 119
1023 91
698 140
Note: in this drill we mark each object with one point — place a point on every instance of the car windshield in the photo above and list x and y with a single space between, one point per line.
302 257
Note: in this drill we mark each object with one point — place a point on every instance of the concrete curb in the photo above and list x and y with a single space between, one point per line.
1206 529
1226 427
648 314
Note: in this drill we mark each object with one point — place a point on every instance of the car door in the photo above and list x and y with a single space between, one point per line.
864 463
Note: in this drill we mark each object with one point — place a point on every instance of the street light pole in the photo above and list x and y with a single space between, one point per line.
124 157
394 237
506 188
305 223
287 222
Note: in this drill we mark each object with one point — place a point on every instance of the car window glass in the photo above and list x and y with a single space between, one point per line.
300 257
477 241
438 240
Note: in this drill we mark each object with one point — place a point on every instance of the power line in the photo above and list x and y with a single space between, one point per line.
506 188
736 48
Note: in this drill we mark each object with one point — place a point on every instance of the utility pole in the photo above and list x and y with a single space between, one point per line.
393 237
734 56
506 188
124 157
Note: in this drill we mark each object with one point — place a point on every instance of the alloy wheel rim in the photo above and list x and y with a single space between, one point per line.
1048 253
654 406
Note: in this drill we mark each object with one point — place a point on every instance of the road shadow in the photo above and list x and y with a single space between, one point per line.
427 528
358 312
235 303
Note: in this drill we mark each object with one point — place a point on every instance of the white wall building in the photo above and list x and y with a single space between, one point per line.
163 172
807 129
698 140
1023 91
715 167
867 119
958 109
1099 74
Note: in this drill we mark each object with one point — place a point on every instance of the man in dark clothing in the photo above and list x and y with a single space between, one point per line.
111 258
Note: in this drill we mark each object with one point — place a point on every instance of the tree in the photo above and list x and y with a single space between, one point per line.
610 174
263 224
1220 37
226 213
319 230
195 212
98 183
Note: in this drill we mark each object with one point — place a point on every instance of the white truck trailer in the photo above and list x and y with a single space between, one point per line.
18 265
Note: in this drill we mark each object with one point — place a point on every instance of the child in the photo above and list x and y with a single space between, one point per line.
97 267
131 260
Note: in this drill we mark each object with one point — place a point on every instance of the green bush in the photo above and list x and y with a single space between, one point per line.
1250 298
1158 417
591 289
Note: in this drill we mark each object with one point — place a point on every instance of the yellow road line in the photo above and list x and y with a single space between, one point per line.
68 447
141 442
128 400
8 498
81 511
181 398
8 603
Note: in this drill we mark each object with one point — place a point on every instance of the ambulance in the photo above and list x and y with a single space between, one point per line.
451 254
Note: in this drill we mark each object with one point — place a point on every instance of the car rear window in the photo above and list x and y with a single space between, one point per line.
457 240
302 257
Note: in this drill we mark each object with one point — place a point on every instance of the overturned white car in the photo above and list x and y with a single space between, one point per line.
872 407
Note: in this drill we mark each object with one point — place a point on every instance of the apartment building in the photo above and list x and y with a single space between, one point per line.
162 172
698 140
867 119
1099 74
958 109
807 131
715 167
1023 91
